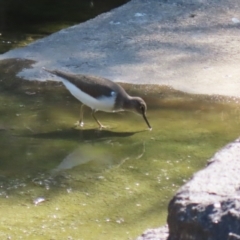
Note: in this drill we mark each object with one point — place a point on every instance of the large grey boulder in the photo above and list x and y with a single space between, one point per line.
208 206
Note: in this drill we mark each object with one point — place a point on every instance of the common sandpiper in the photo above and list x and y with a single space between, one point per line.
100 94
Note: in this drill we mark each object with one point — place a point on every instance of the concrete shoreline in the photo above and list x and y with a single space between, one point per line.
192 46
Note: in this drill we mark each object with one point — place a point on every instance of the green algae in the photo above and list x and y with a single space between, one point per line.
109 184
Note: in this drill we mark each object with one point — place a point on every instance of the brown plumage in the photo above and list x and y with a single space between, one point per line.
100 94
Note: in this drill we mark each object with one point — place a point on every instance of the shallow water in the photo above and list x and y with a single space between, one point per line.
61 182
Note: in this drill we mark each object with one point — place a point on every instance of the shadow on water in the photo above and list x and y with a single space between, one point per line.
117 180
80 135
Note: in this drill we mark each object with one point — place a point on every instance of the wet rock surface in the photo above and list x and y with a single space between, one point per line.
192 46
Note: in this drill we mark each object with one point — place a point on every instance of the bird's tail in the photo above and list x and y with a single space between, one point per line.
50 71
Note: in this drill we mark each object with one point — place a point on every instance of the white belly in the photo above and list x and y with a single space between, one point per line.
105 104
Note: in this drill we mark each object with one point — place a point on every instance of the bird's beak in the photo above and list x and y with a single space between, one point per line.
145 118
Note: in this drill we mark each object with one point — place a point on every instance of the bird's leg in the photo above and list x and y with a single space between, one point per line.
80 122
99 124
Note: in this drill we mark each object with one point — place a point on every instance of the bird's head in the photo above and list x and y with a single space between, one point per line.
139 106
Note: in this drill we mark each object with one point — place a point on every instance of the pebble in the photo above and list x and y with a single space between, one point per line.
235 20
38 200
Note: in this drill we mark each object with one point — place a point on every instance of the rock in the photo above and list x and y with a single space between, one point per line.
208 206
189 45
155 234
235 20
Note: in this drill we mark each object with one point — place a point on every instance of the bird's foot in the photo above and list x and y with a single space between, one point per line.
102 127
79 124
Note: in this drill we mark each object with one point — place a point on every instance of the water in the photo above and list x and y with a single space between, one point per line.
61 182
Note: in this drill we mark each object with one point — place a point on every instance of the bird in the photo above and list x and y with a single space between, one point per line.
100 94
